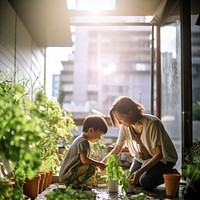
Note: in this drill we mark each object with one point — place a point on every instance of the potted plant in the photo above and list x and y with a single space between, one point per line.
113 172
20 131
45 168
59 126
172 181
115 175
191 170
30 131
31 187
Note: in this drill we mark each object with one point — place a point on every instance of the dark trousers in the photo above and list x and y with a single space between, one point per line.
153 177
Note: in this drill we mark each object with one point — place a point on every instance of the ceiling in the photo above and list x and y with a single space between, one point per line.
46 20
49 24
129 8
125 8
49 21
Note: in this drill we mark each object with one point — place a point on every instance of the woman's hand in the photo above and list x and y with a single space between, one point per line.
116 150
153 161
134 179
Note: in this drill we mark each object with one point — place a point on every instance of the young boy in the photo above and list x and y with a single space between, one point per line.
78 168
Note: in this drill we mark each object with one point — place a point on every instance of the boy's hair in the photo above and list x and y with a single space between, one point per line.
96 122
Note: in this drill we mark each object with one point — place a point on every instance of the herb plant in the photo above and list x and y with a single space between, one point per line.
70 194
114 171
124 180
113 168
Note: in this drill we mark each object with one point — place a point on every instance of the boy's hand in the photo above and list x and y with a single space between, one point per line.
101 166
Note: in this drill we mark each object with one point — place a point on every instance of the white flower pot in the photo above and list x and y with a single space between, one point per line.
113 186
130 189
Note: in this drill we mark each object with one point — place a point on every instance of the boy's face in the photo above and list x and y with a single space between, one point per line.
95 135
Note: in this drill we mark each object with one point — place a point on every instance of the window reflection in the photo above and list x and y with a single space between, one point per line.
171 83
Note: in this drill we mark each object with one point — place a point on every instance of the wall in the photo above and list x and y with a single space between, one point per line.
18 51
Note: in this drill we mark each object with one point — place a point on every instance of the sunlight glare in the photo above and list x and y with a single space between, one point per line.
92 5
54 57
169 40
109 69
148 19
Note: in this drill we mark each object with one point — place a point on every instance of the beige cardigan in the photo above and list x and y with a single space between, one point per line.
153 134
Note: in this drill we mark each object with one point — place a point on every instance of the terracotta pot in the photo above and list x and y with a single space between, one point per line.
31 187
171 184
113 186
46 180
50 178
43 176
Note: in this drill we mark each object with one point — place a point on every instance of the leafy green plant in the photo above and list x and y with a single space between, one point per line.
69 194
114 171
124 180
196 111
6 190
191 165
20 132
191 170
140 196
59 125
30 131
98 150
113 168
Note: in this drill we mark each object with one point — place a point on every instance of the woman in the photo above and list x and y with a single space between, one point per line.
147 140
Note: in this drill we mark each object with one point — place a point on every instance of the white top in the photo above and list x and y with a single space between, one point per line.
153 134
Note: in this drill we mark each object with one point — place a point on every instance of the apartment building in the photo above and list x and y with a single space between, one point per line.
108 62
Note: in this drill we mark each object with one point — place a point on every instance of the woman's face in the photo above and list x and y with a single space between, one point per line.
122 118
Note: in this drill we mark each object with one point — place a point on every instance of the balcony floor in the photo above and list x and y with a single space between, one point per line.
103 194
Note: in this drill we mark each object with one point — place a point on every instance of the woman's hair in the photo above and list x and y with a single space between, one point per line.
96 122
125 105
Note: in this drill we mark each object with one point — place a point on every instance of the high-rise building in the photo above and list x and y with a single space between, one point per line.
107 62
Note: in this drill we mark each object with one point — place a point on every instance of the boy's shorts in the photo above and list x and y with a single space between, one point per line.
82 177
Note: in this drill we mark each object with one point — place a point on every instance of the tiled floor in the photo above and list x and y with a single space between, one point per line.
102 193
